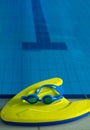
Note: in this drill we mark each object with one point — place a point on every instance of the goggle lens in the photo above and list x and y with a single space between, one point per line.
32 99
47 99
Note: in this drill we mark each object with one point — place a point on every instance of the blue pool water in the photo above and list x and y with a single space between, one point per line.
41 39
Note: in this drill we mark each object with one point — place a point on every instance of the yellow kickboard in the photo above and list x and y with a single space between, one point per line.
18 111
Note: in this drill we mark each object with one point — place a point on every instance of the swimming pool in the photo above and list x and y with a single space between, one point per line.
41 39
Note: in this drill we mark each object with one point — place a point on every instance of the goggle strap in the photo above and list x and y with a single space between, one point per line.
54 87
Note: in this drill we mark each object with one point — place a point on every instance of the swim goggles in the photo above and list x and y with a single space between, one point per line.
47 99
